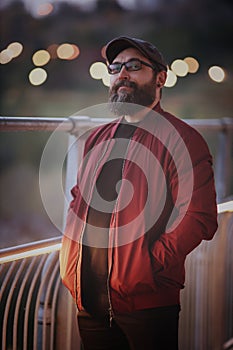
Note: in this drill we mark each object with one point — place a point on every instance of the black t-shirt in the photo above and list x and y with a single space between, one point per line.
95 253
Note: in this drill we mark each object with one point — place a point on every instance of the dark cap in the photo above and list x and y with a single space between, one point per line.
115 46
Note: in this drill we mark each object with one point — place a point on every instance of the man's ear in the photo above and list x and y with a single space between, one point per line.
161 78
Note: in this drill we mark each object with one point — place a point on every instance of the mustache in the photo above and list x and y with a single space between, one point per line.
121 83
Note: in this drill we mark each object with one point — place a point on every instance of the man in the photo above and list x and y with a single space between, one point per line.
144 199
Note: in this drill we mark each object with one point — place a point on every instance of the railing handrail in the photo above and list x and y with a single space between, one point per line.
70 124
21 251
33 123
30 246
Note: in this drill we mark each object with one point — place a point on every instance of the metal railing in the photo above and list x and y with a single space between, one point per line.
29 296
206 321
72 124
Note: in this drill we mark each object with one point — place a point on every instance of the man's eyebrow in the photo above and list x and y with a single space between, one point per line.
131 59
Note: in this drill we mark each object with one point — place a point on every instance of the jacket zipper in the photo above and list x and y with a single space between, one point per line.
111 312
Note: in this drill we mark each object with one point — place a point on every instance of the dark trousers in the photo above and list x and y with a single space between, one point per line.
151 329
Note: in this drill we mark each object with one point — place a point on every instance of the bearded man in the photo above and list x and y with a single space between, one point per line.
144 199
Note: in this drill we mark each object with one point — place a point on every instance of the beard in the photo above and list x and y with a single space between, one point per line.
123 102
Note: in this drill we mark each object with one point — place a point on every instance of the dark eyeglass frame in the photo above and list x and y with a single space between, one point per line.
128 66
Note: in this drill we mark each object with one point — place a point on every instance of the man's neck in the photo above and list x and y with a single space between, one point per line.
140 115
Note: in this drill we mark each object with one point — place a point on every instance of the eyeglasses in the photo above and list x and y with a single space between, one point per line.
131 66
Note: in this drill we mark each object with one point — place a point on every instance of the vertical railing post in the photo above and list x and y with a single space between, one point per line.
223 163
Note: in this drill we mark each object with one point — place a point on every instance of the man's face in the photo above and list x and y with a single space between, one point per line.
137 87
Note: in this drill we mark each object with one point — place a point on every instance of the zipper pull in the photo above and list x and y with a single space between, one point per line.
110 316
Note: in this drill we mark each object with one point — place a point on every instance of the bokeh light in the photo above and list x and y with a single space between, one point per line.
103 52
15 49
76 52
128 5
41 58
67 51
98 70
5 57
44 9
171 79
106 79
216 73
192 63
180 68
37 76
52 49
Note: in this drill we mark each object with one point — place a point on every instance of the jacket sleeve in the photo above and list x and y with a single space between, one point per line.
69 251
198 220
68 260
70 248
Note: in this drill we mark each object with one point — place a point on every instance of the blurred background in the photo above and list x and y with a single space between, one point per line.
51 65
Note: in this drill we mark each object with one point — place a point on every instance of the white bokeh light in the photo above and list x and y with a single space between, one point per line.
180 68
15 49
98 70
37 76
5 57
216 73
171 79
106 80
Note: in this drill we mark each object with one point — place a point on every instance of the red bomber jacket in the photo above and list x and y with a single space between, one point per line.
166 206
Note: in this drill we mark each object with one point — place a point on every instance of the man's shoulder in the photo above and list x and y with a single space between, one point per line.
181 125
191 137
178 123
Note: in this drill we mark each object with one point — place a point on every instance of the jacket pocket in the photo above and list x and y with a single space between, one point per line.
171 277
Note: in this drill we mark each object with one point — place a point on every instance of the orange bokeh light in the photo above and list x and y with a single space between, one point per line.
52 49
76 52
